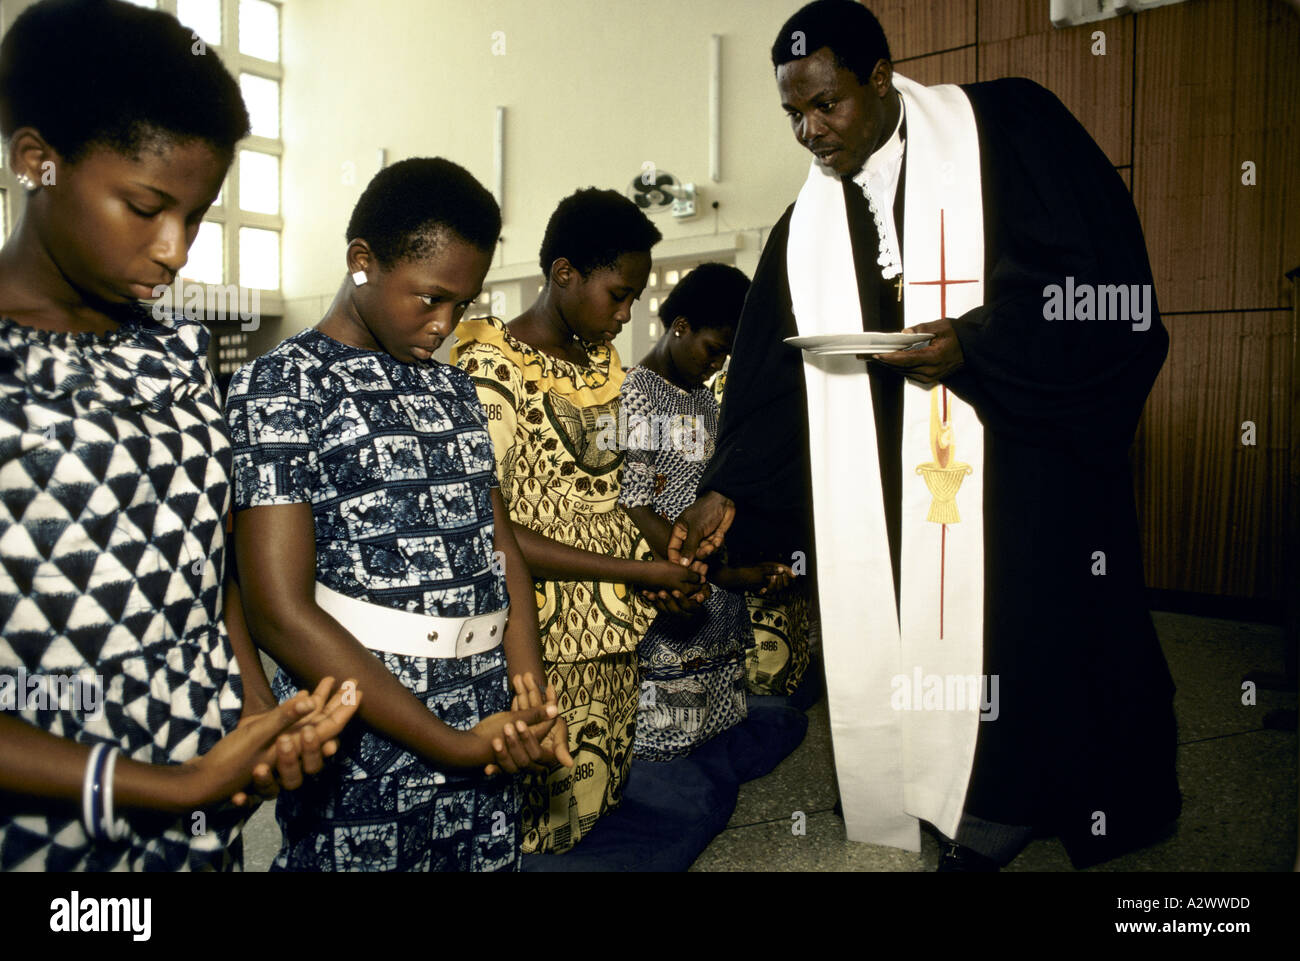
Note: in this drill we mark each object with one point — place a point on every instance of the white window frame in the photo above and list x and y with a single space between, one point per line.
228 213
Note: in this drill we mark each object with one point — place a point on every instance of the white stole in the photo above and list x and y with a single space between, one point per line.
897 760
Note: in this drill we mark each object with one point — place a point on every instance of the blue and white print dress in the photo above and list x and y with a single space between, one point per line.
114 489
396 462
692 668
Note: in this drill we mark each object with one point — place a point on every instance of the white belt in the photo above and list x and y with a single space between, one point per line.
415 635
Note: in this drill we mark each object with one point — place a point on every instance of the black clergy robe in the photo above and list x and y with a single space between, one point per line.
1085 742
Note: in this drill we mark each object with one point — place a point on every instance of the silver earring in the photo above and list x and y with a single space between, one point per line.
677 333
26 182
359 278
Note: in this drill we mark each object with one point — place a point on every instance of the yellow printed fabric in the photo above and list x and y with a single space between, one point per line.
780 655
560 477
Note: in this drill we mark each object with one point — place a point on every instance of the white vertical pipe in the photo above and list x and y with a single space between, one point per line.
499 159
715 107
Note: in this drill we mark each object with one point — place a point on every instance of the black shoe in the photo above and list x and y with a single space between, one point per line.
954 857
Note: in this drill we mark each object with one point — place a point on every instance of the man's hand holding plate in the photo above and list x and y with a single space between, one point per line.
930 364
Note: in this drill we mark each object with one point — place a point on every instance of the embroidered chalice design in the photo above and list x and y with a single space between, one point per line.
943 475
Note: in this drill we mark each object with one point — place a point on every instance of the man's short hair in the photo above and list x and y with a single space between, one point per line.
851 32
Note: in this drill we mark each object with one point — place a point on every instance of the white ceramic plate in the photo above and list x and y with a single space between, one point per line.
867 342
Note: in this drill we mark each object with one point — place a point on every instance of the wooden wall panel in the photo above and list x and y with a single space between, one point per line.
957 66
915 29
1182 97
1217 85
1004 19
1211 508
1097 89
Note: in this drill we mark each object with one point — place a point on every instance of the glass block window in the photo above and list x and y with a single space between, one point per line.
231 350
646 326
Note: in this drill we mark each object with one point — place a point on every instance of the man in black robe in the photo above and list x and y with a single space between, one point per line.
1085 745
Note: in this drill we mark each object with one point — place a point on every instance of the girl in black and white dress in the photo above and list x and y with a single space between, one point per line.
132 703
692 667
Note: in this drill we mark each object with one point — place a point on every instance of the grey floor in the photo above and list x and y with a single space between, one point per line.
1238 781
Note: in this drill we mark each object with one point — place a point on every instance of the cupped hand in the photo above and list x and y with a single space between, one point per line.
676 579
927 365
228 768
304 746
765 578
554 747
513 738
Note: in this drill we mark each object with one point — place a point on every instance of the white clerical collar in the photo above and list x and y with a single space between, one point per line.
878 179
888 155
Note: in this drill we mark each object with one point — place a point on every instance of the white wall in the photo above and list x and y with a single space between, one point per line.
592 90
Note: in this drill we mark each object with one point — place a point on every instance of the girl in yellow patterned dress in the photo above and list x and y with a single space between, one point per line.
550 381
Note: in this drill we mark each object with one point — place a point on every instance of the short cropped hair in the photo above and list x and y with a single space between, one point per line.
409 209
102 73
849 29
592 228
711 295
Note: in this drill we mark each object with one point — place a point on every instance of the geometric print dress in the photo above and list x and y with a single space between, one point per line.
396 463
114 489
692 668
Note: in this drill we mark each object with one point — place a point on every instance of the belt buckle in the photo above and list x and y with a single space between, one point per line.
480 627
465 637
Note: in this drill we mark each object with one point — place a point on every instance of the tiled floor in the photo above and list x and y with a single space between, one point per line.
1238 782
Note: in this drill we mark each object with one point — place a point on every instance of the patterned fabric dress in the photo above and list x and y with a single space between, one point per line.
692 669
397 466
782 624
547 417
114 488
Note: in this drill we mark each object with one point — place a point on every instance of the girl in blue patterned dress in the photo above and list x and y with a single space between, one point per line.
367 497
693 666
128 708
